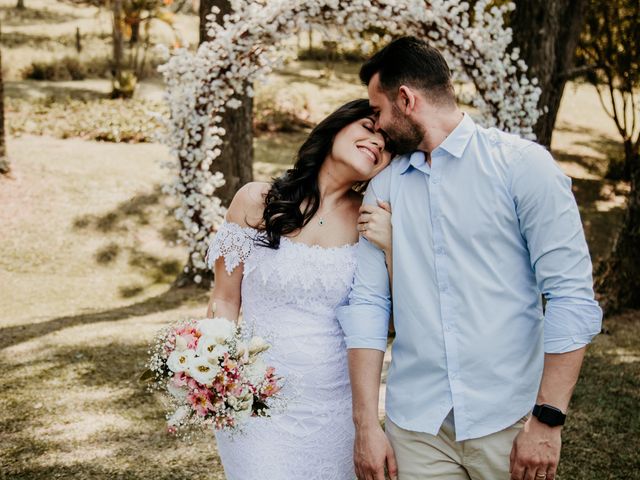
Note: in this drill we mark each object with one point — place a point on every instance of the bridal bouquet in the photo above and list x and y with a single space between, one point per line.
210 375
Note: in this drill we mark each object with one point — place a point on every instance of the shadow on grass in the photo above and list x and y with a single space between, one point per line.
601 225
610 148
172 298
13 17
136 443
600 439
594 166
53 91
338 70
140 211
278 148
20 39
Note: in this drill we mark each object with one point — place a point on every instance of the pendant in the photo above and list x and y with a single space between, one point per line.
321 221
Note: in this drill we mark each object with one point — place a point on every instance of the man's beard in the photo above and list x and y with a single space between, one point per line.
405 135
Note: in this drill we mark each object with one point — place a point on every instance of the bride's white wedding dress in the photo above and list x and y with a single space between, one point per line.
289 297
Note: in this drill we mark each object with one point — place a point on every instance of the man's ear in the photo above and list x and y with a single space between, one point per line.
406 99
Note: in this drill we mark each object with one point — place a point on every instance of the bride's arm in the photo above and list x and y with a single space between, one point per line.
226 299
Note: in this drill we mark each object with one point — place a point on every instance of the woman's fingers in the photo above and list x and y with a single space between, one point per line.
364 218
384 205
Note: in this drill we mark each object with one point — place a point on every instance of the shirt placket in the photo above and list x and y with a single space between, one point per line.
447 309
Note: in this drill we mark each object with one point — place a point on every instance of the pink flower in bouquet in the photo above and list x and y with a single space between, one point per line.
271 384
212 376
191 335
200 401
180 379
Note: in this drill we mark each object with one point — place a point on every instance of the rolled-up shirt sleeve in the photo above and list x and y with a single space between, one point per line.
365 320
550 224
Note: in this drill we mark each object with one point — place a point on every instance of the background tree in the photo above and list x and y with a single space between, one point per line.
610 50
4 161
236 160
547 33
20 5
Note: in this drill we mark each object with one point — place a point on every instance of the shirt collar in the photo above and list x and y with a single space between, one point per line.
415 160
458 139
455 144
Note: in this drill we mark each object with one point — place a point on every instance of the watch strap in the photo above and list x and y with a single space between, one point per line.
549 415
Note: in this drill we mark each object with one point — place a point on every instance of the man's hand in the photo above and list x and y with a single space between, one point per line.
536 452
372 451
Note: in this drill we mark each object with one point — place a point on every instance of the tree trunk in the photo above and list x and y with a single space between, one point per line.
4 161
135 33
547 33
236 161
20 5
618 277
118 47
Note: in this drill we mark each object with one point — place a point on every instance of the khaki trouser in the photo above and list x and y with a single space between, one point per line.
422 456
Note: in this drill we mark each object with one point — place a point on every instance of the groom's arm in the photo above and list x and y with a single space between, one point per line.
365 322
550 223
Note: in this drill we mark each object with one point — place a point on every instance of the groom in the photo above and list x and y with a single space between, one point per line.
484 223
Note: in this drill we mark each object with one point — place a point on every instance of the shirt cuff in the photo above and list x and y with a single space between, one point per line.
364 326
570 325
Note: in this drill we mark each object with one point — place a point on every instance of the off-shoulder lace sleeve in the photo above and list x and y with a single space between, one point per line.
234 243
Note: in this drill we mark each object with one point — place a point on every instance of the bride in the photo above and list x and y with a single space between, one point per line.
286 254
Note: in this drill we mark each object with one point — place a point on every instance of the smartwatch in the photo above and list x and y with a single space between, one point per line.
549 415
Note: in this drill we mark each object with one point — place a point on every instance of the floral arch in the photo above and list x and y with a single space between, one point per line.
200 85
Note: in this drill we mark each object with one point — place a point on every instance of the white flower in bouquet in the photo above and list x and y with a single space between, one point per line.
177 392
245 411
211 349
213 378
178 416
257 345
242 351
243 405
178 361
202 371
181 343
255 371
219 328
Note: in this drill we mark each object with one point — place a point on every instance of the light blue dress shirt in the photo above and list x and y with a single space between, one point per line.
478 236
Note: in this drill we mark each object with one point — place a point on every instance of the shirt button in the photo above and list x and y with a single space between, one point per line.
443 287
447 328
435 180
440 251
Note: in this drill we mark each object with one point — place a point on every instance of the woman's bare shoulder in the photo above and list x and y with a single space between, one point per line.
247 206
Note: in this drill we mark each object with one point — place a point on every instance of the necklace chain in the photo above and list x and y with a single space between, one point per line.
321 218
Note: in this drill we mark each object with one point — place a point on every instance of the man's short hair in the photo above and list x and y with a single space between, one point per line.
412 62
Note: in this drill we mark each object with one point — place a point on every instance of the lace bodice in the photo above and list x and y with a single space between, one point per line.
289 297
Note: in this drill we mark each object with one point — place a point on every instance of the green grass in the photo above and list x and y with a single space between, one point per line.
601 436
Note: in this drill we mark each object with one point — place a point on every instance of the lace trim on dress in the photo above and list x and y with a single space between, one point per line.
234 243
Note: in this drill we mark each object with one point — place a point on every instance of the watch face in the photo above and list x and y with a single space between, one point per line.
549 415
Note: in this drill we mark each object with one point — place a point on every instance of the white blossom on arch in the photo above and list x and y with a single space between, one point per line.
245 48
